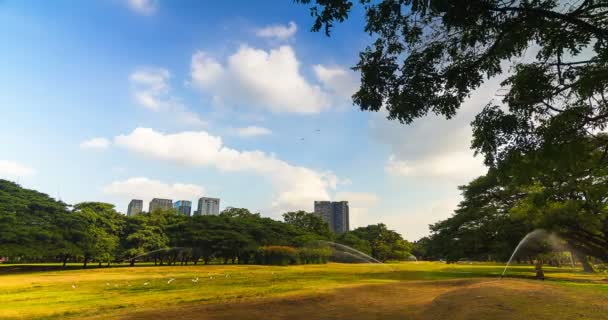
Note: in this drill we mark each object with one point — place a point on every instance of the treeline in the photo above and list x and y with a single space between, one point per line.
36 228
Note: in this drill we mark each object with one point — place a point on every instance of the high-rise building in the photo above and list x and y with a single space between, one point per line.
135 207
341 216
157 203
183 207
336 214
208 206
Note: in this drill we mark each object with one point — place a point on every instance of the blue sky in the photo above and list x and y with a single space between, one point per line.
120 99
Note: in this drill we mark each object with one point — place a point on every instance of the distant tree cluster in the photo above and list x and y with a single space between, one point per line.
36 228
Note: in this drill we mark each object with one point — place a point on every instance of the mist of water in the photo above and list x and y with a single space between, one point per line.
344 253
551 239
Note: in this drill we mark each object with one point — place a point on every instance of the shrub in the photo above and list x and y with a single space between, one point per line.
314 255
277 255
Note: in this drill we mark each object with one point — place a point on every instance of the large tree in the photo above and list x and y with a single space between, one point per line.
102 228
428 56
383 244
309 222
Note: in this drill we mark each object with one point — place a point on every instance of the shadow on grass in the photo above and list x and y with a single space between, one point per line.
33 268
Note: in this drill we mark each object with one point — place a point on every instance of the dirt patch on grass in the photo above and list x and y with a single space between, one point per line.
515 299
416 300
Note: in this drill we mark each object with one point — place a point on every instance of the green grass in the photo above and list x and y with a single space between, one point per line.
27 293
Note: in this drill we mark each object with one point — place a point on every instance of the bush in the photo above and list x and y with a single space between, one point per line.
277 255
314 255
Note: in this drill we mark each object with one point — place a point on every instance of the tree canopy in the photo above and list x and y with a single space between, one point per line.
35 227
544 140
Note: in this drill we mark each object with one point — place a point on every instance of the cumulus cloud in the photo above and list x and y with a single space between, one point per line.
434 147
95 144
278 32
150 88
264 79
12 169
252 131
340 81
296 187
145 189
143 7
358 199
455 164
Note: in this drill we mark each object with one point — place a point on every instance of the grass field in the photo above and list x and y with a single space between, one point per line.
425 290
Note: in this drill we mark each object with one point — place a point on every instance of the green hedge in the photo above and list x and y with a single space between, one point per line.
277 255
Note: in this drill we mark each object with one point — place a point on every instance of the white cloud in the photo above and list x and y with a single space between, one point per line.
412 221
259 78
359 204
95 144
145 189
278 32
252 131
150 88
11 169
358 199
451 165
341 82
434 147
296 187
143 7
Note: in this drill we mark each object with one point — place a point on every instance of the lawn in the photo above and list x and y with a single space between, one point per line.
424 290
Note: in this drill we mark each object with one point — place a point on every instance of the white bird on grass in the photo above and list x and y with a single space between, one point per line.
170 280
73 286
195 279
145 283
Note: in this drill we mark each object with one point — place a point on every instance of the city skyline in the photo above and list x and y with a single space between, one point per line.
246 102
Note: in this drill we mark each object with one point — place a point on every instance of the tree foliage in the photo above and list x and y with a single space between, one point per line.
35 227
542 141
377 241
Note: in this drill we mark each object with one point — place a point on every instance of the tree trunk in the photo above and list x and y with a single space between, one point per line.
65 260
540 274
132 263
84 264
587 267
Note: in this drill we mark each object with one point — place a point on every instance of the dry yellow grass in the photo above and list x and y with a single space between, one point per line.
418 290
